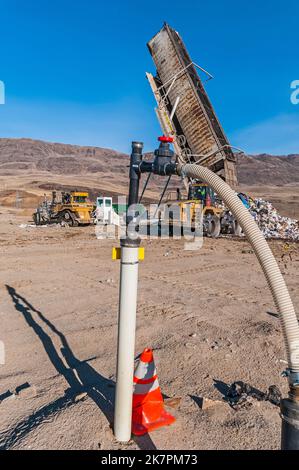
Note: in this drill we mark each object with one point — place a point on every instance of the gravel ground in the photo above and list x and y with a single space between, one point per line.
206 314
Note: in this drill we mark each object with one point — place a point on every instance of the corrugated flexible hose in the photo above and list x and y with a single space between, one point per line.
264 254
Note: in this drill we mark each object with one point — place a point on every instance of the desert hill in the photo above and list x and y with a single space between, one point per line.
19 155
29 168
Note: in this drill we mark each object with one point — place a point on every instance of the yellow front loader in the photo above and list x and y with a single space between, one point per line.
72 209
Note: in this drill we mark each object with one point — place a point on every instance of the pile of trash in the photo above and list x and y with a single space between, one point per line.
271 223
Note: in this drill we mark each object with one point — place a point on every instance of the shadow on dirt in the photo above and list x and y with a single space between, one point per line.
80 376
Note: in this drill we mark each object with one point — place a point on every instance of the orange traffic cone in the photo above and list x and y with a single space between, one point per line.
148 408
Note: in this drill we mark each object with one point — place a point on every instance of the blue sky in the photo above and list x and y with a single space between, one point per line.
74 71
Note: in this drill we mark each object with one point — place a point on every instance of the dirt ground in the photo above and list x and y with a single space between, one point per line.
206 314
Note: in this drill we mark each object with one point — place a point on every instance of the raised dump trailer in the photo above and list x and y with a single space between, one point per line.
184 109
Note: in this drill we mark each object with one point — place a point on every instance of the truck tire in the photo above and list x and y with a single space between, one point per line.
67 218
213 226
37 218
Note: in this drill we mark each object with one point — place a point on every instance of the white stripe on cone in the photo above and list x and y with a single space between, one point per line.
145 370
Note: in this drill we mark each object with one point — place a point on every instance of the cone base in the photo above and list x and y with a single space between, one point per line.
165 419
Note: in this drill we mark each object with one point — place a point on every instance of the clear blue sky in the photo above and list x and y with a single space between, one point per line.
74 71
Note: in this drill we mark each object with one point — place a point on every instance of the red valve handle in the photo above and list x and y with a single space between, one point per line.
164 138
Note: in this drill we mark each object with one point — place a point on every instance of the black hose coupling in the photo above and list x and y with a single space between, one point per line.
289 408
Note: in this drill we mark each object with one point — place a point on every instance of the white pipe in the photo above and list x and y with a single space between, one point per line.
126 343
265 256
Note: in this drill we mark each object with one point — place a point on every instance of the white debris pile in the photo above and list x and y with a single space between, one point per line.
271 223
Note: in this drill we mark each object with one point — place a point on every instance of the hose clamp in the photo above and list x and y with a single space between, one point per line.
293 377
182 171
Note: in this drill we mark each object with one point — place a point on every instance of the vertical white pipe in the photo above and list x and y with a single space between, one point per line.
126 343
